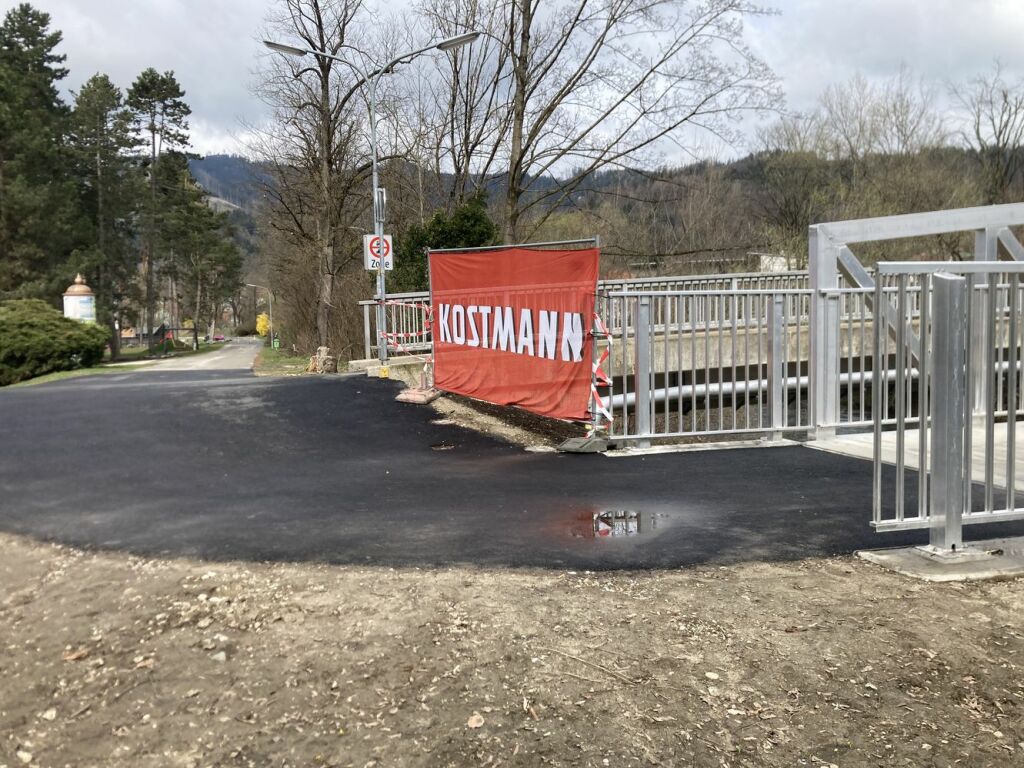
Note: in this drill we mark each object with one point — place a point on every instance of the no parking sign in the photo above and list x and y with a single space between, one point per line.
375 248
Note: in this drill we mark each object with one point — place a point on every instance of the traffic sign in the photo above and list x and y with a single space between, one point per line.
375 248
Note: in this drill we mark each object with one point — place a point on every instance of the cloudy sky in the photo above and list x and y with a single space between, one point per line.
212 46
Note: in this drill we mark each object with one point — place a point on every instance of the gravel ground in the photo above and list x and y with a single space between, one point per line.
113 660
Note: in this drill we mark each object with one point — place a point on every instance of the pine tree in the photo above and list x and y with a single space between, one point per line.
160 117
39 219
199 254
100 142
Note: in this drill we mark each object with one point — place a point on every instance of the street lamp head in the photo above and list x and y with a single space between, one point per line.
281 48
457 41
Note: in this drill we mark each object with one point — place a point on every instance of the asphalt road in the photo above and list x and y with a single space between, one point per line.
201 458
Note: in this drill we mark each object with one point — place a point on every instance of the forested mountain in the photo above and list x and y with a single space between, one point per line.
231 178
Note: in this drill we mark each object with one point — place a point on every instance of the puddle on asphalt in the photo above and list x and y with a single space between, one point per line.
617 524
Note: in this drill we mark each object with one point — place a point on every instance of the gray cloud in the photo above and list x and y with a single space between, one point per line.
212 46
812 44
209 44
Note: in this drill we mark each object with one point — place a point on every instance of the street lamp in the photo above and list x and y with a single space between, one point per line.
371 78
270 302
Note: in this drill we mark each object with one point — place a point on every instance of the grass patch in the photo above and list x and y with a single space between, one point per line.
144 353
279 362
76 374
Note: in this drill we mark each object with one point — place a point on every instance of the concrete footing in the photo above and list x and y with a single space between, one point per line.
418 396
584 445
977 561
392 370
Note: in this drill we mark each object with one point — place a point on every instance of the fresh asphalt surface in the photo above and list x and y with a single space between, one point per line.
203 459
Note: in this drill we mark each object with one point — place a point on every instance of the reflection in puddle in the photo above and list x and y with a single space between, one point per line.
614 523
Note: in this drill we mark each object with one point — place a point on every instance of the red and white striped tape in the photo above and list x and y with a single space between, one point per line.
600 377
392 338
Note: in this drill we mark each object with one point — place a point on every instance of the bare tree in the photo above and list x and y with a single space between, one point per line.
314 147
994 128
559 91
908 120
867 150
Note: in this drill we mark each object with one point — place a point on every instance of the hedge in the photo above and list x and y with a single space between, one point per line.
36 339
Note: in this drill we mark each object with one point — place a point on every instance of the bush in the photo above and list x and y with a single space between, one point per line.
36 339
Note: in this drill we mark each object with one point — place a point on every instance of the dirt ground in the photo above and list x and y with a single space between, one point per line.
112 660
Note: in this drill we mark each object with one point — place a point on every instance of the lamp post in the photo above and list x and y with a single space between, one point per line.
270 302
370 79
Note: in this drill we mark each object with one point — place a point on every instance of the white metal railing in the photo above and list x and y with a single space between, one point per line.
711 362
949 405
405 311
716 362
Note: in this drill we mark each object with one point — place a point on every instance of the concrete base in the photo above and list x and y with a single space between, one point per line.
372 365
418 396
362 365
390 371
978 561
631 449
584 445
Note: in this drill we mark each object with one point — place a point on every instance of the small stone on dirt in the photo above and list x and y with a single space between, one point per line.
220 657
25 757
50 714
711 675
476 720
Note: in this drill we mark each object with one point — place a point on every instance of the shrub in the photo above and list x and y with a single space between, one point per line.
36 339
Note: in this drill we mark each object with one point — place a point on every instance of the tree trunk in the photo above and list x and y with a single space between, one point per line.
326 292
199 293
323 306
149 250
521 61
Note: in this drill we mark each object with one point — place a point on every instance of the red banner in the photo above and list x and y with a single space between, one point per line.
512 326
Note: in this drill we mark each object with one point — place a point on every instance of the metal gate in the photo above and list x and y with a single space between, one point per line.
949 401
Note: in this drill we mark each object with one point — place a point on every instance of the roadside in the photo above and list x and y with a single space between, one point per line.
145 353
126 661
135 360
281 362
78 373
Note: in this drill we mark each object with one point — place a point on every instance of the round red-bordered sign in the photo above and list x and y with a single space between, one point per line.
379 247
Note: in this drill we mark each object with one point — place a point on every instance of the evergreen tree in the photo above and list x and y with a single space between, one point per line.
160 117
100 142
467 226
199 256
39 221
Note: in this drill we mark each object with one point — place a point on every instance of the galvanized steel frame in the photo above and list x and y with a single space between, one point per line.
829 255
956 300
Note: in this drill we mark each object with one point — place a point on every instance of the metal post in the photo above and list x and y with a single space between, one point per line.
595 415
642 370
985 243
776 369
378 225
366 331
949 399
824 335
